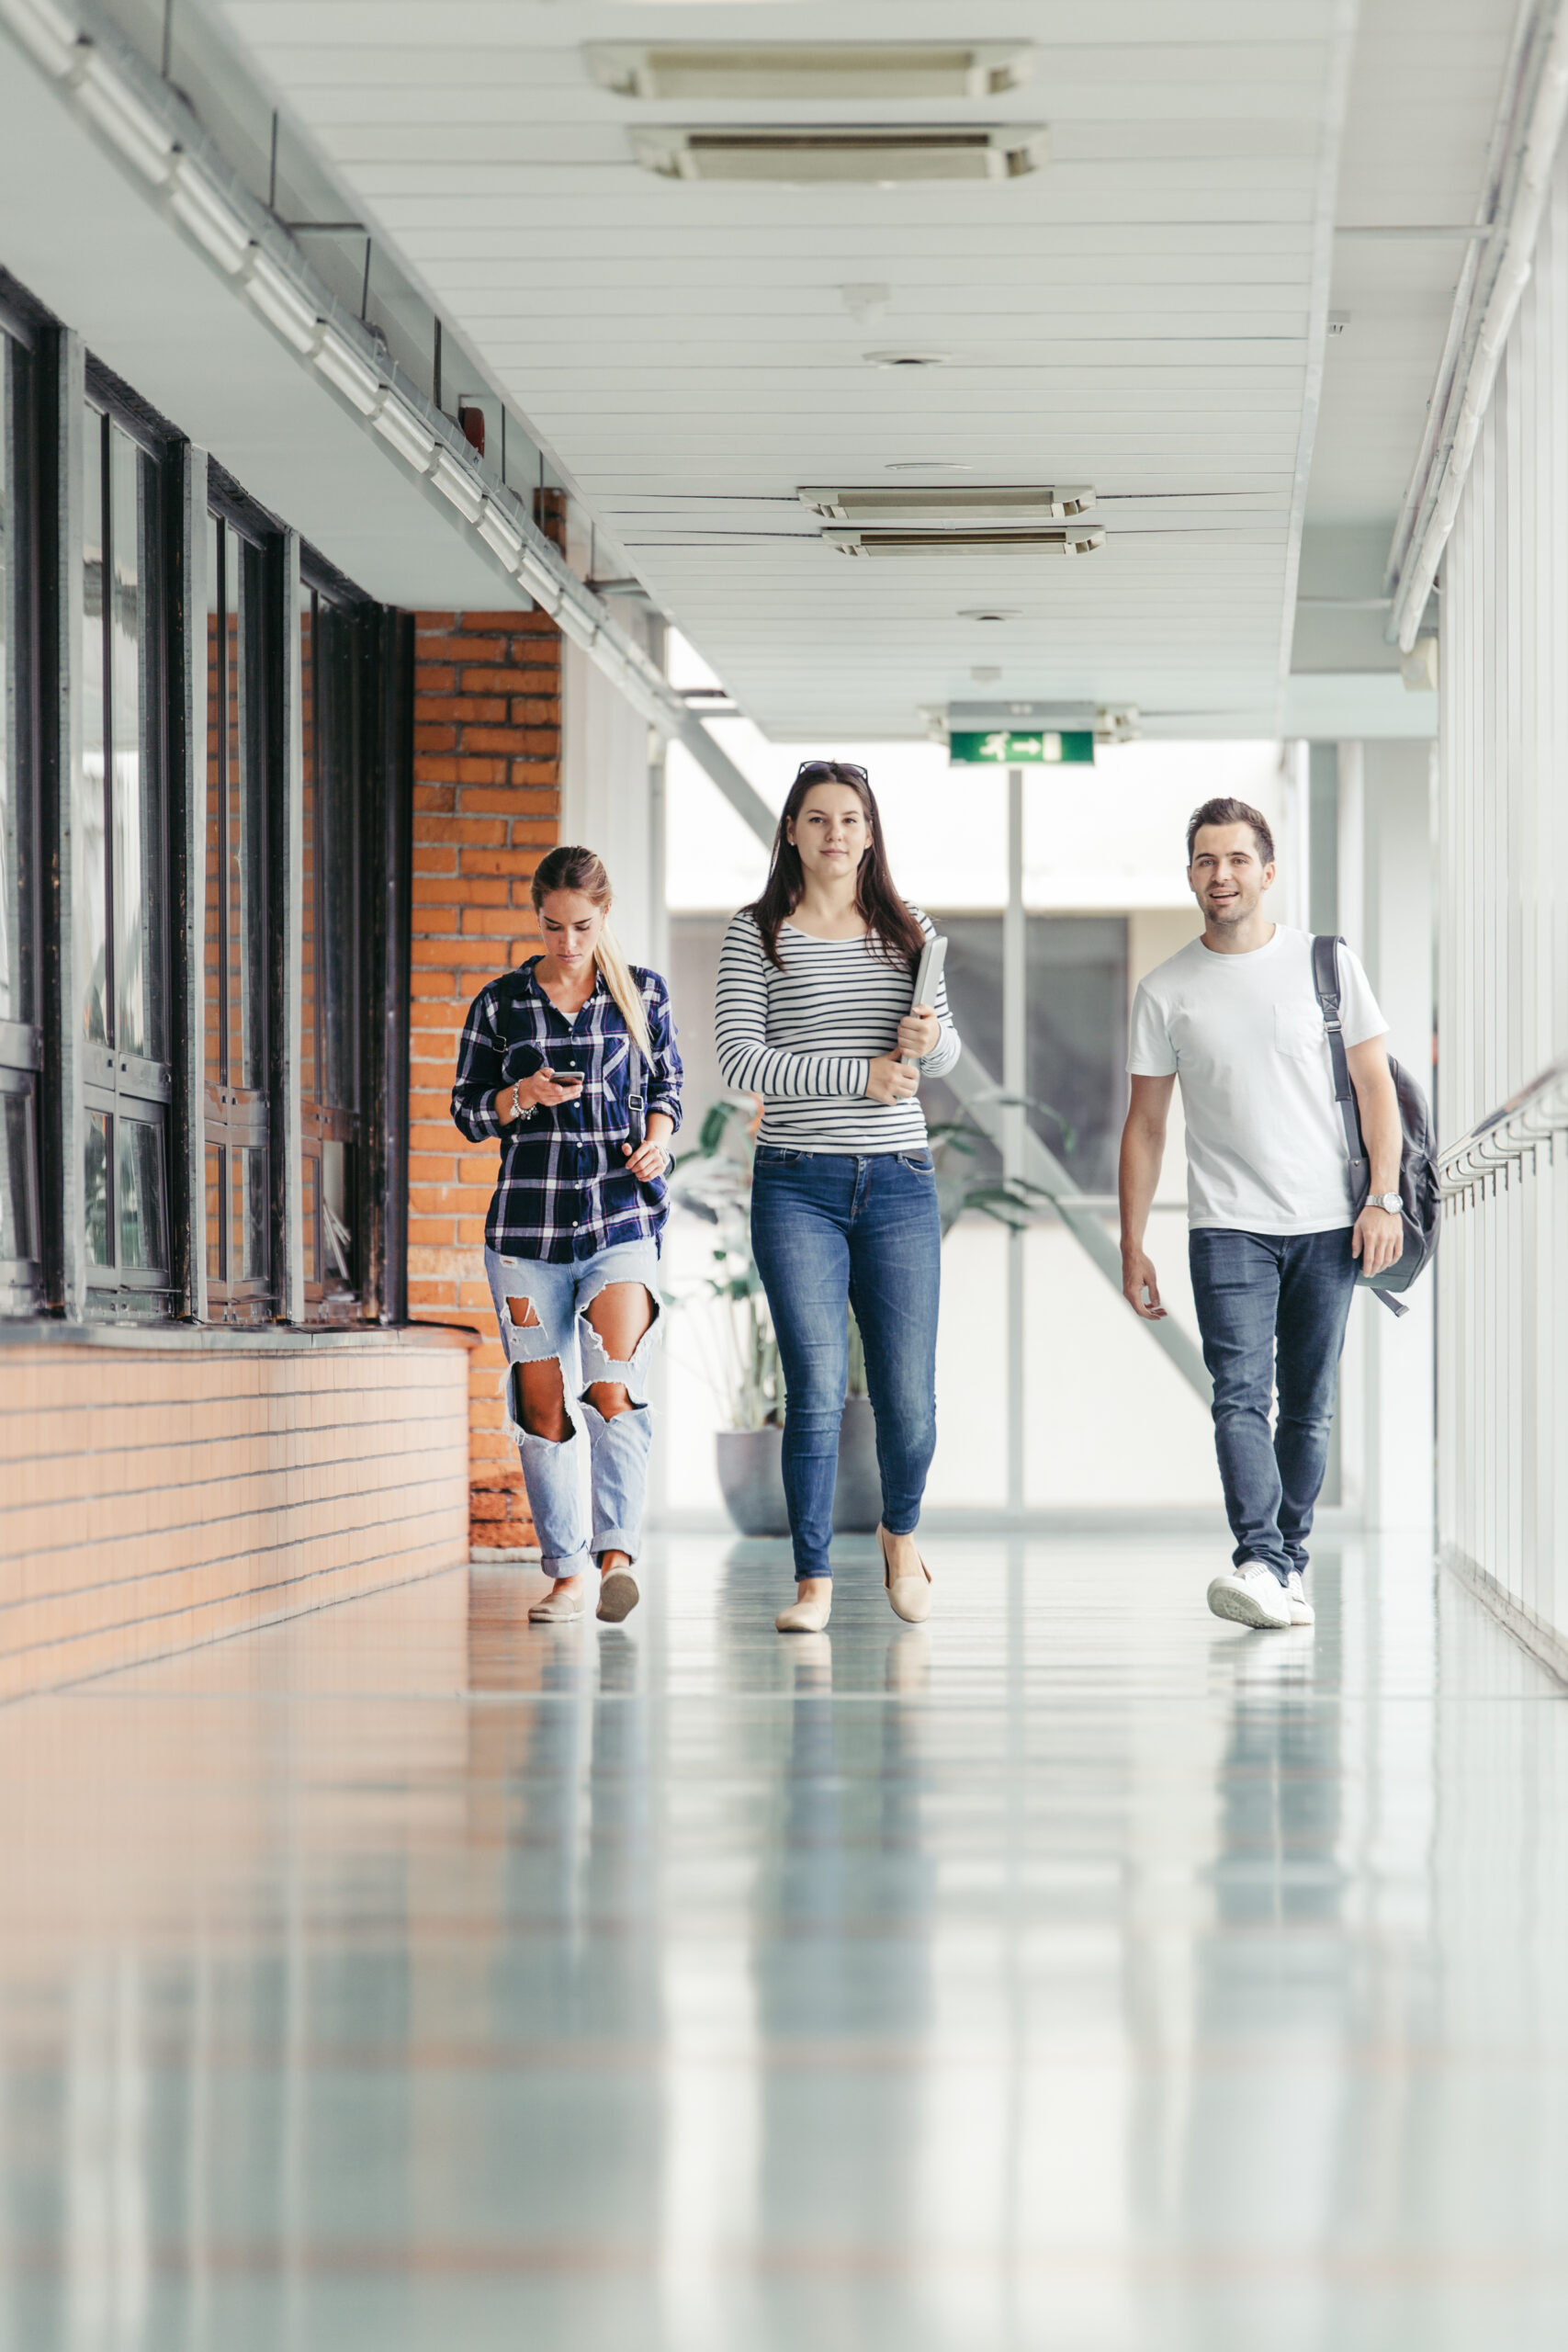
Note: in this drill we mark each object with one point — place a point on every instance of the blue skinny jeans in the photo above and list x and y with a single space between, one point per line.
1272 1309
830 1231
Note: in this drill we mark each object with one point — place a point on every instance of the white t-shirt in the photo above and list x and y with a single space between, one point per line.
1266 1150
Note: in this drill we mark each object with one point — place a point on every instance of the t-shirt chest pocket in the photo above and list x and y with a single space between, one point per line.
1298 1030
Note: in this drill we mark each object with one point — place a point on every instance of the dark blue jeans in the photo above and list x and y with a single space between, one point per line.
1272 1308
830 1231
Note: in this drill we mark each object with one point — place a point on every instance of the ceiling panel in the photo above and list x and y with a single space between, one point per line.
1146 313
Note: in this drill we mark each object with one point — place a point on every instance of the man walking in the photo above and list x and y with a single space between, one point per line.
1274 1236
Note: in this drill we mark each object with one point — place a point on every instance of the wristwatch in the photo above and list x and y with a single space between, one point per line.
1390 1200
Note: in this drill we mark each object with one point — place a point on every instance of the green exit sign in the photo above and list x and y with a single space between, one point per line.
1036 749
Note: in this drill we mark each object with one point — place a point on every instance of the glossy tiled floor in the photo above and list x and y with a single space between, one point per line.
1078 1975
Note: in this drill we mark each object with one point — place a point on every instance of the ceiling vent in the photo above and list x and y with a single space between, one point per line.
853 70
872 153
882 505
1064 538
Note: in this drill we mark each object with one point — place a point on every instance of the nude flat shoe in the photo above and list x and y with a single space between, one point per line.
910 1596
556 1608
618 1596
804 1617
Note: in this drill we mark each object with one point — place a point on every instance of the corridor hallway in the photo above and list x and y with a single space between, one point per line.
1076 1973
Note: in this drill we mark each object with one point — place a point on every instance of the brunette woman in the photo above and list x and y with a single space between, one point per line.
570 1062
815 1015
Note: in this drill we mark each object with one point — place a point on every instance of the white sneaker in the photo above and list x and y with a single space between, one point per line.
1251 1595
1302 1610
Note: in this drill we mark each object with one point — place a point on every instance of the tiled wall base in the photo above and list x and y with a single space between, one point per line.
153 1498
1547 1642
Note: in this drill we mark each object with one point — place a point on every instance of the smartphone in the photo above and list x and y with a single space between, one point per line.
566 1063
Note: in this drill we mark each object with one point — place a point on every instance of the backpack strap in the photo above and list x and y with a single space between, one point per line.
637 1083
1326 983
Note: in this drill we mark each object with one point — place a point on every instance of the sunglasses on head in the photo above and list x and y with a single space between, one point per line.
829 768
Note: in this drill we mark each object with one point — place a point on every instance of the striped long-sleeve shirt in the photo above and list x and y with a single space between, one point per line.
805 1038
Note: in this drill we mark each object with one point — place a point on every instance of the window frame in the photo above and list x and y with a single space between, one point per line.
119 1086
22 388
236 1116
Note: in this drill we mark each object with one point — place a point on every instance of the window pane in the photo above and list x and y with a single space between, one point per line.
308 1072
246 914
247 1235
338 836
214 1213
1078 1020
309 1170
133 750
90 881
96 1177
337 1240
10 911
17 1238
212 948
144 1216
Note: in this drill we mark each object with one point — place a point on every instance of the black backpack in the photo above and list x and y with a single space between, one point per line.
1419 1192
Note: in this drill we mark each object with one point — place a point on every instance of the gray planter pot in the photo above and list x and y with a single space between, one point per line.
857 1496
750 1476
751 1480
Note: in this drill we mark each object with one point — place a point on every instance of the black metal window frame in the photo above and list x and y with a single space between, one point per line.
21 1036
67 1059
122 1088
238 1116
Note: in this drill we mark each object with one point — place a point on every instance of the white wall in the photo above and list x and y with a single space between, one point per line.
610 799
1503 961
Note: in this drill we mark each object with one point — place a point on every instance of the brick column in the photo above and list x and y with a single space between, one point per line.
486 806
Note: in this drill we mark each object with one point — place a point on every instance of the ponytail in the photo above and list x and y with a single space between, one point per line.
619 979
572 868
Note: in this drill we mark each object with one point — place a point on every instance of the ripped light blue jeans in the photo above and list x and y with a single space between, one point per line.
573 1532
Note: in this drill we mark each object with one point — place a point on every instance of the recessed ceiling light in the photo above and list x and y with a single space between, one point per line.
907 359
921 69
926 466
996 507
807 154
989 613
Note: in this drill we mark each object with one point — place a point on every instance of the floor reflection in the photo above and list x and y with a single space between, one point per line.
1070 1973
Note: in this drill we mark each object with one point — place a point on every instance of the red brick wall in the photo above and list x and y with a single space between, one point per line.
486 806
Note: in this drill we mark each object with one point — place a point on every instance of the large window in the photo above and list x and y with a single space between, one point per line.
120 882
331 1022
241 643
21 1245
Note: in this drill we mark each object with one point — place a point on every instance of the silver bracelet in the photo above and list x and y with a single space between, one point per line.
519 1109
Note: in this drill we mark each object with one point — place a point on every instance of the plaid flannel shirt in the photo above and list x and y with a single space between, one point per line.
563 1192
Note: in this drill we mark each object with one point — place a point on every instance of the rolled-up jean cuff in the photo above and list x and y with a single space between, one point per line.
615 1539
578 1565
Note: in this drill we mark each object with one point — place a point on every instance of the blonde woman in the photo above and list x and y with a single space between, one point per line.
570 1062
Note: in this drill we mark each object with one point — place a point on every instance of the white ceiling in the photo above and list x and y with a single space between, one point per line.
1146 314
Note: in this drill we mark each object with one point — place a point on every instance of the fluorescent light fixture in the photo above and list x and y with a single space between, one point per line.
878 154
206 213
500 536
402 431
917 69
880 505
456 485
344 368
121 115
281 303
1062 538
45 29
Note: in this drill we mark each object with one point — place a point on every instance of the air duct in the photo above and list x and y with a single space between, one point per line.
880 506
814 152
855 70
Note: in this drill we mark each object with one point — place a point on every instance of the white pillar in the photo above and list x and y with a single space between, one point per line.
1386 883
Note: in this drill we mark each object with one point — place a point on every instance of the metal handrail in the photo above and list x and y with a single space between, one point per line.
1538 1114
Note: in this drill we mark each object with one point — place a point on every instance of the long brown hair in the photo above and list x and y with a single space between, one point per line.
572 868
892 929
